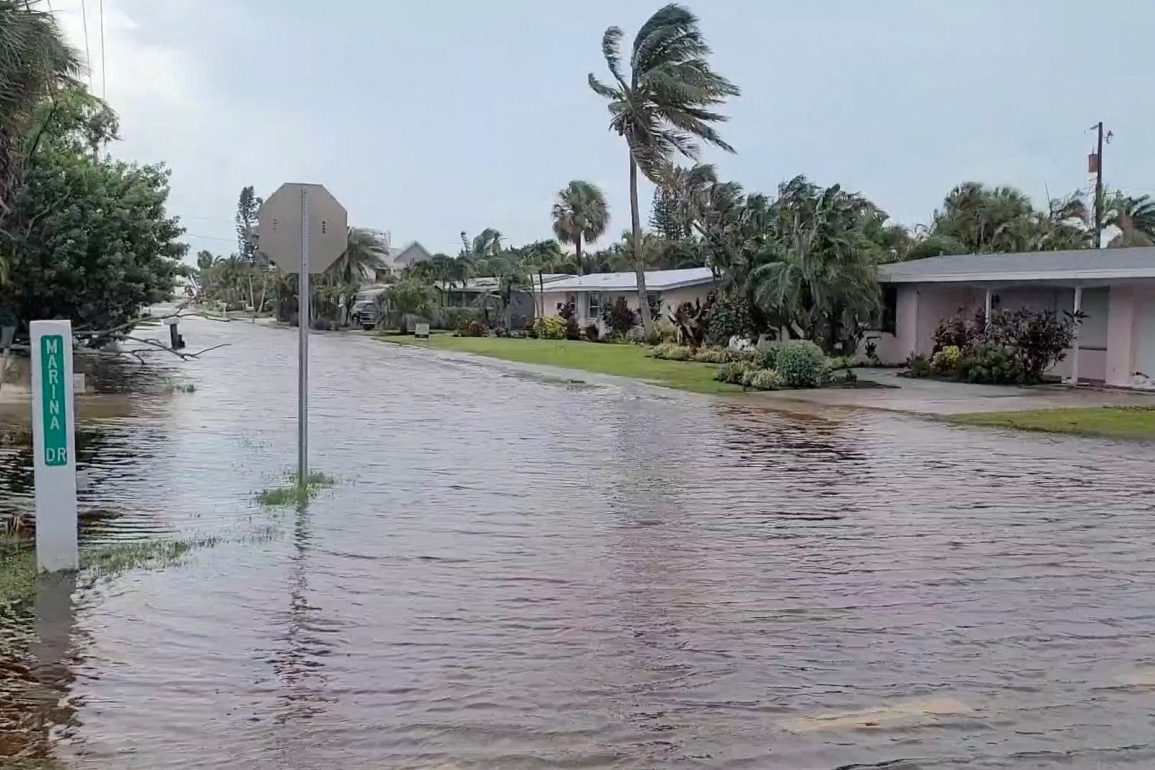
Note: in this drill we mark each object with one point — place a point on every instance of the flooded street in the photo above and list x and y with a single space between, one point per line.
516 571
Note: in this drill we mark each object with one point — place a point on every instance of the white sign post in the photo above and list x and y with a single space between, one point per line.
302 229
54 446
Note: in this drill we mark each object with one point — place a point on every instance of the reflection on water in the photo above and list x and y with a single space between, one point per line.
516 573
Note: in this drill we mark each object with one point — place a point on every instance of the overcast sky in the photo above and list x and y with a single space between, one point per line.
429 118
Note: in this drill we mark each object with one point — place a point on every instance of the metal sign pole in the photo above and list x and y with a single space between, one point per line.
304 321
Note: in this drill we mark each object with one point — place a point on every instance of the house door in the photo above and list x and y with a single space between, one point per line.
1143 338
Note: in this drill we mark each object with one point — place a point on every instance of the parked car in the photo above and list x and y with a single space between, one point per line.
364 314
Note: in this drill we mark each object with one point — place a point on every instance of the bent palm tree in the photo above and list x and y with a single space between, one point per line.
580 212
664 106
34 59
1135 219
365 251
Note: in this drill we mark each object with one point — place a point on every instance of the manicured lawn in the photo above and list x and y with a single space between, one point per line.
1134 422
621 360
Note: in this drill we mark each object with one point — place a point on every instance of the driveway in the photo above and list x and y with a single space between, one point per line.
905 394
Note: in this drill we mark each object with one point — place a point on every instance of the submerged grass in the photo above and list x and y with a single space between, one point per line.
621 360
18 561
292 493
1127 422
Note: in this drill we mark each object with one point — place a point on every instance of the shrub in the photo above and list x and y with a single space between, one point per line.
727 317
551 327
712 356
679 353
572 332
801 363
765 379
618 316
665 331
919 366
453 317
766 353
636 335
749 374
732 372
841 363
946 360
1038 338
960 332
472 328
990 364
591 333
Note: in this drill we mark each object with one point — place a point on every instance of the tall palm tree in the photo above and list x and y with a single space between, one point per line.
365 251
34 60
580 212
1134 217
665 104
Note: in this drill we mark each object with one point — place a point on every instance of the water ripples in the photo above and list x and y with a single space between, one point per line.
522 572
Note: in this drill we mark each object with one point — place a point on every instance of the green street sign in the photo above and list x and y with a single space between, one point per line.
54 399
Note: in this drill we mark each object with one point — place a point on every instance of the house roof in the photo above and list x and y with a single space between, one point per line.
1079 265
656 280
401 256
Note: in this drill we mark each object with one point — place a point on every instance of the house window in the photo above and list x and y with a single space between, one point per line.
593 306
888 323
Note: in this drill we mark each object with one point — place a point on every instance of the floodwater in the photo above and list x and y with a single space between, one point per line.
522 572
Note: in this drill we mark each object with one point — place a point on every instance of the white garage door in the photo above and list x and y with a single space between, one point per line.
1145 337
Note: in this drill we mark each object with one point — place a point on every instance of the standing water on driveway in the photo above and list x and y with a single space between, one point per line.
519 572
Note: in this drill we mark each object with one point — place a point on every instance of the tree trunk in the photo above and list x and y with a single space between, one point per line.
578 254
639 264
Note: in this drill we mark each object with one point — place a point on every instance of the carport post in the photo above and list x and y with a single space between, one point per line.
987 310
1075 337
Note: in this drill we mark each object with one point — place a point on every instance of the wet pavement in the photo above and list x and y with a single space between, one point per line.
522 572
939 397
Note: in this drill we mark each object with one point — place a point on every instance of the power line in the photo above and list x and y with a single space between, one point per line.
87 52
103 66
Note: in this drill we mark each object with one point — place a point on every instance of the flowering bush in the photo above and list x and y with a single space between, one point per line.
551 327
712 355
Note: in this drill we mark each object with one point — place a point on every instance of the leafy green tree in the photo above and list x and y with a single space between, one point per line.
977 219
580 213
88 238
662 105
34 62
248 208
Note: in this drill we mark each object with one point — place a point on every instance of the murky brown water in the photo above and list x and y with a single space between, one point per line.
518 573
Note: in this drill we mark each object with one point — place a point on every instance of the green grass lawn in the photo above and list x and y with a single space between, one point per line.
1134 422
621 360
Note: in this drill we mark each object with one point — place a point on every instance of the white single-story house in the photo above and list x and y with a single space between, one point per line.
1113 288
400 258
592 294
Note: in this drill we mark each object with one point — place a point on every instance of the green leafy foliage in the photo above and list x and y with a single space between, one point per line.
946 361
766 379
619 317
551 327
727 317
669 351
919 366
591 334
712 355
88 237
801 364
733 372
1038 339
991 364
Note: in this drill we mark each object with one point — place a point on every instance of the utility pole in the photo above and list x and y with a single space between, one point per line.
1095 166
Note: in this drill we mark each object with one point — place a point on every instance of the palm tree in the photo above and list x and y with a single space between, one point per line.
34 60
580 212
365 251
1134 217
664 106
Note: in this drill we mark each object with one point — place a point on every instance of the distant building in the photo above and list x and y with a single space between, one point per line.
401 258
592 294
